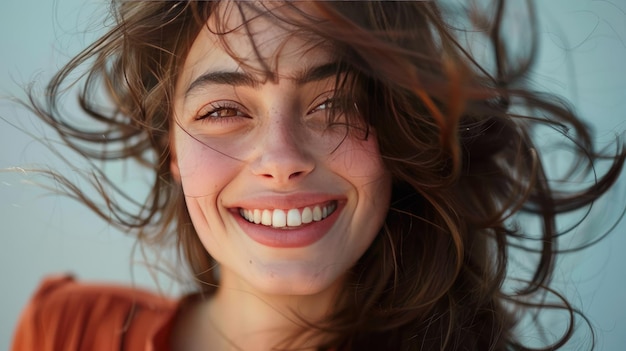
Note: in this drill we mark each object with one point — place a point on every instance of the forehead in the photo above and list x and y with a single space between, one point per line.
258 39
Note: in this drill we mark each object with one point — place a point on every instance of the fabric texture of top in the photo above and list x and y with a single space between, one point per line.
65 315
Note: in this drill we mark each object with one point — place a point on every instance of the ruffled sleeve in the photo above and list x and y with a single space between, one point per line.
66 315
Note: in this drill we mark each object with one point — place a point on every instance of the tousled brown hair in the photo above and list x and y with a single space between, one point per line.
455 134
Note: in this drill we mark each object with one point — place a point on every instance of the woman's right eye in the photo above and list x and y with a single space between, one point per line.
218 112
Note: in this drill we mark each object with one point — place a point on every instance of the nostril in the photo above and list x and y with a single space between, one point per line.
295 174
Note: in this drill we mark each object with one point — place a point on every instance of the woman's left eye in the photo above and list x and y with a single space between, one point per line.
328 104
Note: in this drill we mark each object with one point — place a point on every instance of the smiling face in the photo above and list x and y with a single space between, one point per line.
283 201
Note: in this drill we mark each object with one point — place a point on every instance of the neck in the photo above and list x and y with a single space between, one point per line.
240 318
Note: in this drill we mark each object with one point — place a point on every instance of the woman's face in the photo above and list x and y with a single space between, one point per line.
285 203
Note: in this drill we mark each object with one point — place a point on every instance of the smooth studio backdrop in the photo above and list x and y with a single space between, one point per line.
582 56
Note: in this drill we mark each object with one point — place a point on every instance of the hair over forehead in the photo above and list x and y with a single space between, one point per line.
376 38
260 24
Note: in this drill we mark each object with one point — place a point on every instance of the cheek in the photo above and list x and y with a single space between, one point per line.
363 167
360 163
203 171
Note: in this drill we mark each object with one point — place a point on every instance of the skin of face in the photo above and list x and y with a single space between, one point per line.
248 141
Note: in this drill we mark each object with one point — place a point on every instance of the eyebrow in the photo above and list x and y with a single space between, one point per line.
307 75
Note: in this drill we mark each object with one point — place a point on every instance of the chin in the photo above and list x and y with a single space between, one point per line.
289 278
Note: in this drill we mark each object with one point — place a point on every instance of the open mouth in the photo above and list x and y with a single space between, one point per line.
286 218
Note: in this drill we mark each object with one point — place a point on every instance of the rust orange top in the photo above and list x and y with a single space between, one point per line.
66 315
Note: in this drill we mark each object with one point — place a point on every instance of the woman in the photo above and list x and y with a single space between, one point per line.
337 176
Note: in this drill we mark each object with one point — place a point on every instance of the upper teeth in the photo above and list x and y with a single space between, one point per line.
288 218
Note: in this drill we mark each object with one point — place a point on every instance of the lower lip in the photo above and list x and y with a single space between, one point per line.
291 237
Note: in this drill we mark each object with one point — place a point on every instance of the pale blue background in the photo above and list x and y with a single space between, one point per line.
583 57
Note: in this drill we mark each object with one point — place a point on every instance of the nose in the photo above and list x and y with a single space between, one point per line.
282 155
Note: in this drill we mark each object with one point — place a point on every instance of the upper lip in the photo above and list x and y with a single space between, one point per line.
285 201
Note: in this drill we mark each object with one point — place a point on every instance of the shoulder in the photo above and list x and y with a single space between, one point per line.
66 315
